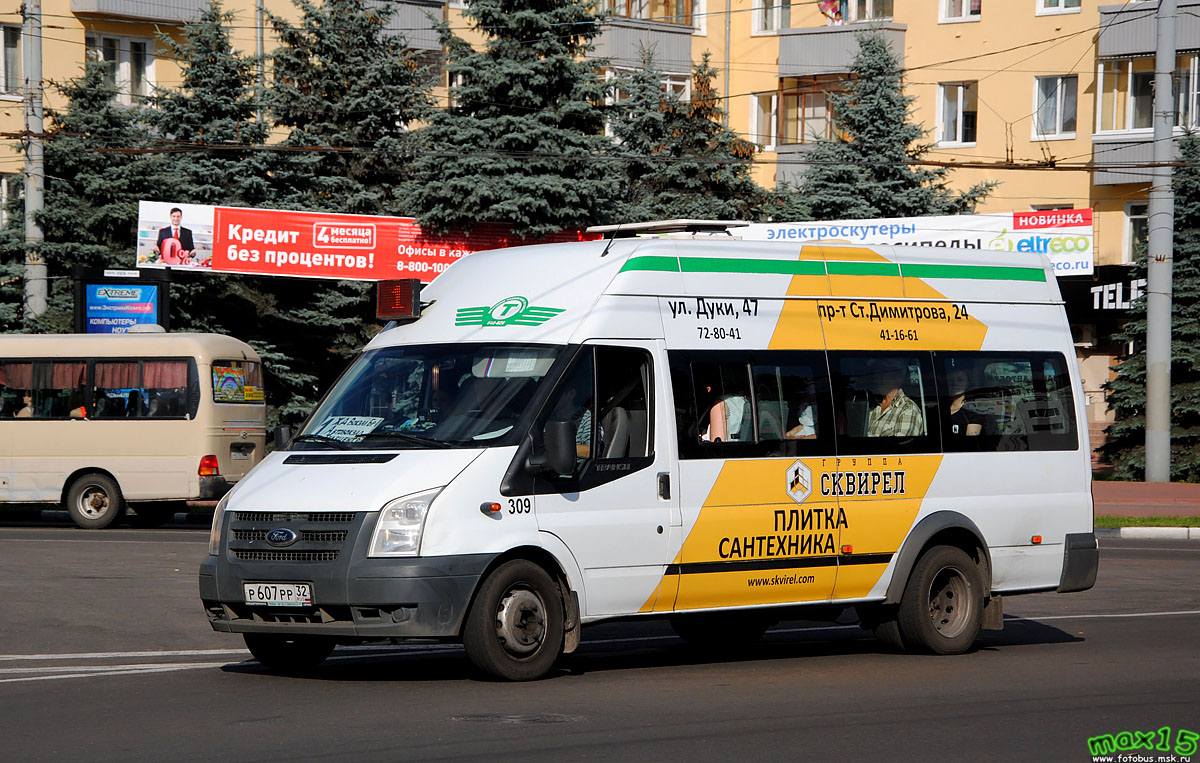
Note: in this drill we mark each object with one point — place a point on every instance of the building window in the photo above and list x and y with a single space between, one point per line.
958 108
869 10
1137 231
772 15
1054 110
806 117
764 116
10 64
1126 93
670 11
1057 6
130 65
9 192
961 10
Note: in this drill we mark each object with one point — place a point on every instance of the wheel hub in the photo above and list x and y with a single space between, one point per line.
949 602
521 622
94 503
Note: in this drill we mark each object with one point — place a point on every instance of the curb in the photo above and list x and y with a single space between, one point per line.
1159 533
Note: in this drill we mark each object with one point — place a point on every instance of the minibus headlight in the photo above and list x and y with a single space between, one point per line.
398 529
214 535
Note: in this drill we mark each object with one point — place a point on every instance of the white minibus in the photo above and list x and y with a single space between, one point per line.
718 432
99 422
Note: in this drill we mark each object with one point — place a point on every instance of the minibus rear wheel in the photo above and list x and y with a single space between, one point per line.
288 654
94 501
514 629
941 610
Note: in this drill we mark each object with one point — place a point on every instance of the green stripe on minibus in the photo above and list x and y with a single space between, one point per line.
662 264
975 272
863 268
755 267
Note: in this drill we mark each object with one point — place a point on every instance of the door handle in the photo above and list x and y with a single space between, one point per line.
664 486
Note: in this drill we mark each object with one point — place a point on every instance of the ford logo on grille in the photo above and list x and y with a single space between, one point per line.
282 536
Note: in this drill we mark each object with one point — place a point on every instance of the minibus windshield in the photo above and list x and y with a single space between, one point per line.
433 395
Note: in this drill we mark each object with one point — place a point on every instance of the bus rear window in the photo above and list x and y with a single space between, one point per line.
237 381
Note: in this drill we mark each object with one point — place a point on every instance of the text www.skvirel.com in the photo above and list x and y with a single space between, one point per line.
781 580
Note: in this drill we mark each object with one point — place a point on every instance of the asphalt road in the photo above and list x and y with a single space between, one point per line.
106 655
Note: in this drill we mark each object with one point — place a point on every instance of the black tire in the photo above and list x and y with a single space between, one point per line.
941 610
514 629
288 654
720 631
155 513
94 501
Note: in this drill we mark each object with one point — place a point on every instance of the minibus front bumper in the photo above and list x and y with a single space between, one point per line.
353 596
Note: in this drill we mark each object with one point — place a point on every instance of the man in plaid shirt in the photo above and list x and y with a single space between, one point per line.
896 415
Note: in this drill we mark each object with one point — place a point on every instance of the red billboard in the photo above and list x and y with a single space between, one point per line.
308 244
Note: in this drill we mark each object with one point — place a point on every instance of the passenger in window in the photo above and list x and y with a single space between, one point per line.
727 419
964 420
27 411
895 415
806 427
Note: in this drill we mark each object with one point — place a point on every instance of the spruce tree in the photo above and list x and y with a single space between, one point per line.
1125 445
680 159
522 142
865 171
94 178
348 94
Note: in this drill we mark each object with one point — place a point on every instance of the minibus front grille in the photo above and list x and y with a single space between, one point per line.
249 555
306 536
292 516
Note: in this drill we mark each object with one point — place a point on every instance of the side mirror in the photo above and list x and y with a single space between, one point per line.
559 454
283 436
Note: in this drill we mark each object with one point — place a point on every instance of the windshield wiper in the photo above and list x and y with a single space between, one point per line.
409 438
321 438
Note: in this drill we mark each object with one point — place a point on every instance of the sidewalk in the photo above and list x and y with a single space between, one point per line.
1141 499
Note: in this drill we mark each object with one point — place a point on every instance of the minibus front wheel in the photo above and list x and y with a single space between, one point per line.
514 629
94 501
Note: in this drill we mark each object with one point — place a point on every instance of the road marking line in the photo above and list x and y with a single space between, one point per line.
104 668
111 655
1107 616
119 672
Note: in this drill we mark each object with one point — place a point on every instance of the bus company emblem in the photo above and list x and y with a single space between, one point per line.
799 481
282 536
511 311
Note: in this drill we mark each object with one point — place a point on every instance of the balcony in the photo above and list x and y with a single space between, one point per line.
409 19
1135 29
1134 147
150 11
831 49
622 40
790 161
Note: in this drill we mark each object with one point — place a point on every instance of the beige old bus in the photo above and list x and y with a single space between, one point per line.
101 422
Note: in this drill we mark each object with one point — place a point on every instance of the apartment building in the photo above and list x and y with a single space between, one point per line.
1055 83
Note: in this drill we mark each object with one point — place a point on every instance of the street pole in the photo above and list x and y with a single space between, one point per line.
1162 219
259 14
36 284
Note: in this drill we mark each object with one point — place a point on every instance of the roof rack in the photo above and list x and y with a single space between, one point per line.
674 228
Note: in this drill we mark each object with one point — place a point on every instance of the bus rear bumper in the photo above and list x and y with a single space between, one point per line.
1081 562
213 487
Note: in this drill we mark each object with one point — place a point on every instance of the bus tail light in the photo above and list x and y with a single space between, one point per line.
209 467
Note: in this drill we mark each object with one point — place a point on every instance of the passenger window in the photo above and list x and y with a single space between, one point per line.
746 405
59 390
999 401
166 386
886 403
118 391
16 390
723 394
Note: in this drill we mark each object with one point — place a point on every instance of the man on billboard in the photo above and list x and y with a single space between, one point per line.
175 242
